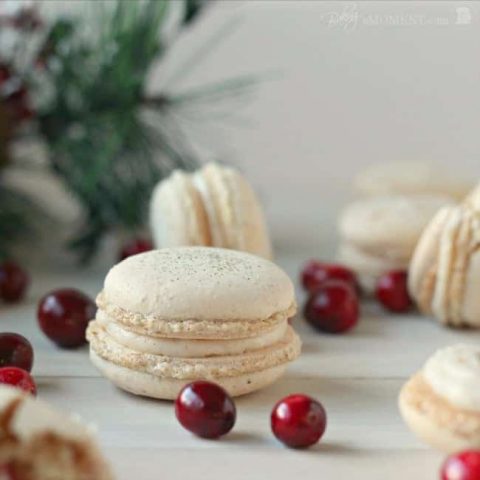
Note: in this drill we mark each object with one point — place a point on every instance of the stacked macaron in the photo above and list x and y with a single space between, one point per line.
214 206
444 276
379 234
441 403
39 443
171 316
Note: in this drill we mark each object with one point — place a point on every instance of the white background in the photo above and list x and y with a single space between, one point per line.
347 84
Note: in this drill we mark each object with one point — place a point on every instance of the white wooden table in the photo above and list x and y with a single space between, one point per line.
356 376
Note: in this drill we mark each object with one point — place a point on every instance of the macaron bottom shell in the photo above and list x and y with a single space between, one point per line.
164 388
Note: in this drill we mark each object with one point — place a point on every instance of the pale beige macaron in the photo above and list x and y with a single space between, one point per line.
412 177
441 403
175 315
444 274
40 443
215 206
379 234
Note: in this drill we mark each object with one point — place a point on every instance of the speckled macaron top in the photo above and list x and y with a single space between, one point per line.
198 283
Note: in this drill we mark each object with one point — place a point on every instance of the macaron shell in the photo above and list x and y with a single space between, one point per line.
238 220
177 214
422 270
411 177
391 225
198 283
435 421
141 383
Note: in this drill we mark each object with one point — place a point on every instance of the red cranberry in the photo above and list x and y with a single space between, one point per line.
13 282
315 273
298 421
15 351
63 315
19 378
205 409
462 466
333 307
138 245
392 291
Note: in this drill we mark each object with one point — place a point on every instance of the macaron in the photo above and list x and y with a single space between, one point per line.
441 403
380 233
412 177
444 274
214 206
175 315
40 443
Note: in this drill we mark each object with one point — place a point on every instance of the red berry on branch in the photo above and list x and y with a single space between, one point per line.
298 421
15 351
392 291
13 282
18 378
205 409
333 307
134 247
64 314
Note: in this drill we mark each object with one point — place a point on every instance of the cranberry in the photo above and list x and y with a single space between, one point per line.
19 378
462 466
333 307
15 351
315 273
392 291
138 245
205 409
298 421
13 282
63 315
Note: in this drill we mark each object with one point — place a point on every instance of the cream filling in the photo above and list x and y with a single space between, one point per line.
454 374
172 347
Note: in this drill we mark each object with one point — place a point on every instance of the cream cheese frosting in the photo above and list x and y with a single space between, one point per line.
454 374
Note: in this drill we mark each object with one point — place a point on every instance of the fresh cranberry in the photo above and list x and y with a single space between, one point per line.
15 351
19 378
298 421
138 245
462 466
63 316
205 409
333 307
13 282
315 273
392 291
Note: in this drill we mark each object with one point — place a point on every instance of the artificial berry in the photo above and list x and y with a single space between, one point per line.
13 282
205 409
315 273
63 316
138 245
298 421
15 351
392 291
19 378
462 466
333 307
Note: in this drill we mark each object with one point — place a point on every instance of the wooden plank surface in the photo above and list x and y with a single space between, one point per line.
356 376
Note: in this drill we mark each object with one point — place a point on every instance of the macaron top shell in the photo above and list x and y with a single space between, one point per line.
391 224
199 283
